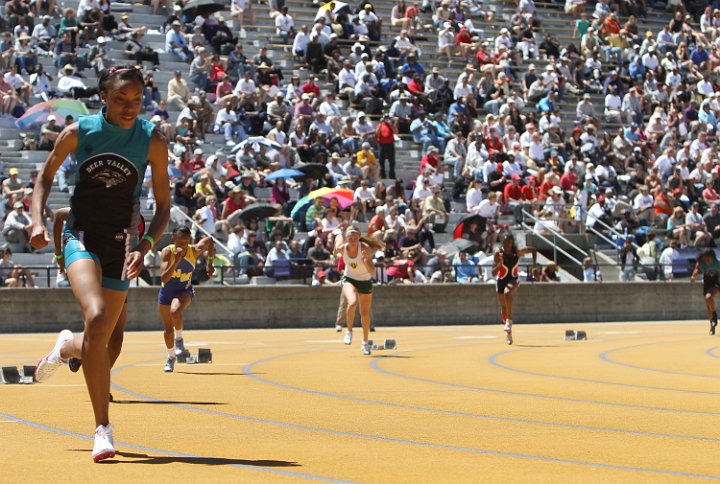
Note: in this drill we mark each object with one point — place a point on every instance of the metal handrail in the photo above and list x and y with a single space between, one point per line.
214 239
612 231
546 240
555 233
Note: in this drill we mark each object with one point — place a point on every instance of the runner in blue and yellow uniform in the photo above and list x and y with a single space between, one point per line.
101 250
709 266
176 269
505 269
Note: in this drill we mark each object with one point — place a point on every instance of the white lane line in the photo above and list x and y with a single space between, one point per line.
622 332
476 337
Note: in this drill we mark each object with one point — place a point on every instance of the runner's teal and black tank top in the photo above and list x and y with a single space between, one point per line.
111 166
713 266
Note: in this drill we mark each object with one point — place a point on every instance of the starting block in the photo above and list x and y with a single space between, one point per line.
204 355
10 375
388 344
572 335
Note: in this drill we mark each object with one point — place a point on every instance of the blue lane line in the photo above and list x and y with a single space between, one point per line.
711 352
376 366
414 443
248 371
604 356
167 452
493 361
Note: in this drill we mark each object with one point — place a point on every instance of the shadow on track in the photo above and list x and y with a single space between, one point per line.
163 402
138 458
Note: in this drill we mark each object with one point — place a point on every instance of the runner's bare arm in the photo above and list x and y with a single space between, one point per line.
65 144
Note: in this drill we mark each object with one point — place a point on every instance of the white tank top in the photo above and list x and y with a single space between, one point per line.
354 266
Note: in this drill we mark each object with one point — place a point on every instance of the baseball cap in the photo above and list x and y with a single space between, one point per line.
198 151
601 199
18 205
557 190
14 171
51 118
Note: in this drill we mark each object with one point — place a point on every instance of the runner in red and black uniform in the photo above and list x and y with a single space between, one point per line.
505 269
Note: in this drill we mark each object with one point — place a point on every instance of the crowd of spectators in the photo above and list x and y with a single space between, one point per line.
495 136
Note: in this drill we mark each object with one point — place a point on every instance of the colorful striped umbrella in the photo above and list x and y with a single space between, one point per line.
342 195
61 108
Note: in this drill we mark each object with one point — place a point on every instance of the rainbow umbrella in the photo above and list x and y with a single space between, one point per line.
61 108
342 195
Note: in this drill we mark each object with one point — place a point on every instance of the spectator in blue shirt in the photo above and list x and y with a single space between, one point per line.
637 70
706 116
547 104
700 56
466 270
412 67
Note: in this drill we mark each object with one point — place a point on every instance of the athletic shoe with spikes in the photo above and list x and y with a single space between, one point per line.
47 366
103 447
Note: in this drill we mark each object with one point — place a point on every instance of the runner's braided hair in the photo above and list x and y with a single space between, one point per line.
124 73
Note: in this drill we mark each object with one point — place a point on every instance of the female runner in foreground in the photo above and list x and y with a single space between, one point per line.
708 265
505 268
357 251
101 250
176 293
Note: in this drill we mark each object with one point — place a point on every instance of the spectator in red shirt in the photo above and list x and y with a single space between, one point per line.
236 200
493 142
529 191
513 191
385 136
482 57
568 180
546 185
377 223
311 87
463 41
197 163
612 25
416 86
431 158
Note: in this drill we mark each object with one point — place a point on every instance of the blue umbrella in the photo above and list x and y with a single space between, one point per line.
284 173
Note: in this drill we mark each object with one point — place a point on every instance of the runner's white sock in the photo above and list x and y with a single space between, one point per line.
178 333
171 352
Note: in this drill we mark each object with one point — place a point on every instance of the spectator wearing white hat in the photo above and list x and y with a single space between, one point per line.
98 57
17 226
48 133
176 43
71 84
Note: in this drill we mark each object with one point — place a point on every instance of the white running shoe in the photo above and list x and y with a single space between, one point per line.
509 339
47 366
366 348
103 446
508 325
169 365
338 328
348 337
